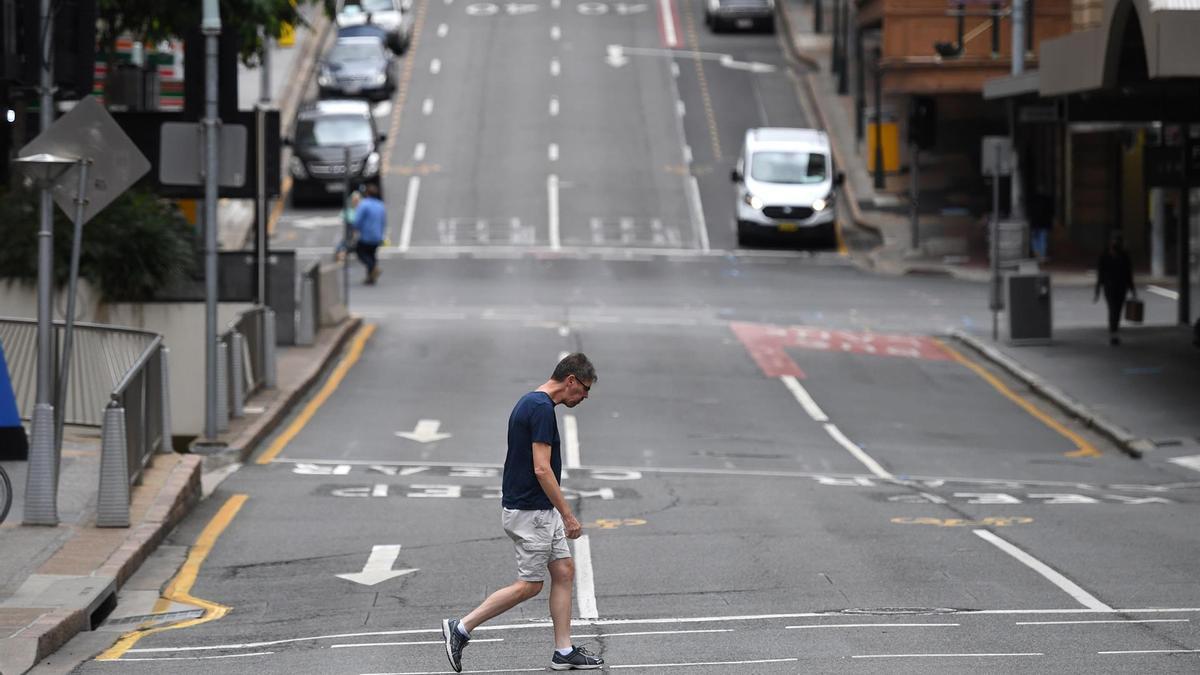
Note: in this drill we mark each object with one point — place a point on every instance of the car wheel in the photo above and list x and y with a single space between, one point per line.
769 25
716 25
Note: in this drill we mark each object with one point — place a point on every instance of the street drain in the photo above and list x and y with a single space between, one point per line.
157 618
899 611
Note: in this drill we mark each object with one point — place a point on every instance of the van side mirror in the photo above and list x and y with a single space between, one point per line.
382 136
735 176
838 179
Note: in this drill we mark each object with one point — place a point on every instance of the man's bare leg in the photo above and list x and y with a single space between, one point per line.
503 600
562 578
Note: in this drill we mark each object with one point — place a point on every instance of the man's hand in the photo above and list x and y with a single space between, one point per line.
572 526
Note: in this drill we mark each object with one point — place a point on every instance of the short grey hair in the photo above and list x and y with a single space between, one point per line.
574 364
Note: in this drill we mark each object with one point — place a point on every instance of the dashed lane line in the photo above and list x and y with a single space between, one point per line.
1070 587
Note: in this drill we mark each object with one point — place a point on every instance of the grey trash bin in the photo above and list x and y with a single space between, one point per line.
1027 300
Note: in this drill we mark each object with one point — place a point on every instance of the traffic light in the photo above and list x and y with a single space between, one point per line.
922 122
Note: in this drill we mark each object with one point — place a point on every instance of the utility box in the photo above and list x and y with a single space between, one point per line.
1027 300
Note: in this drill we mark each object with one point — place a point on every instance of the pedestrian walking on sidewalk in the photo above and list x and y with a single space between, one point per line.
536 517
1114 275
370 222
1041 220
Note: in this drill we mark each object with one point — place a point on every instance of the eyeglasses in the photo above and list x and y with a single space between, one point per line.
586 388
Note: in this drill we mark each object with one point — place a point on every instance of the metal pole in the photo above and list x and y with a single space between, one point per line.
346 230
818 16
211 27
1017 203
41 494
264 82
1184 240
860 86
878 121
835 61
843 84
914 196
994 245
64 366
260 219
995 29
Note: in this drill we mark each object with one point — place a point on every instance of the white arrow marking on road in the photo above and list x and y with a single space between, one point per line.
379 566
514 8
425 431
1191 461
625 9
617 57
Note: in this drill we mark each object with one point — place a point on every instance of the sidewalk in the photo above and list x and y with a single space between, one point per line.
1140 395
58 581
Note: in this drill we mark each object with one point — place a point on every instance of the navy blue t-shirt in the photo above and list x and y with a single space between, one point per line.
532 421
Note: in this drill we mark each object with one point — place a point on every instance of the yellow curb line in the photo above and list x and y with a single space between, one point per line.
1083 448
310 409
180 587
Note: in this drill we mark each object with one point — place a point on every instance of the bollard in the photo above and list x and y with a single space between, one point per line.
306 330
237 375
164 358
222 386
41 481
268 353
112 505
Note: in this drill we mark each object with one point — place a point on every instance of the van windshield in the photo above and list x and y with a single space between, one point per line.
802 168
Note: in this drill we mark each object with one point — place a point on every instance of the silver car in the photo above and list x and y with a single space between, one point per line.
393 16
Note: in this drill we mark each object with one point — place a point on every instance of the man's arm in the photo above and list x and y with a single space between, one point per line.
545 477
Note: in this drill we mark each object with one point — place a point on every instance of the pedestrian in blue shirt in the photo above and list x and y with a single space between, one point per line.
370 222
536 517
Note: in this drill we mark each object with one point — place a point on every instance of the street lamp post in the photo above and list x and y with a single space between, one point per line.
41 492
211 28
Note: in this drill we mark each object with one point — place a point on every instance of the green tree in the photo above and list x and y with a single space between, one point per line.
155 20
137 245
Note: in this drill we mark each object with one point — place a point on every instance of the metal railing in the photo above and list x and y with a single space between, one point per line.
101 357
248 364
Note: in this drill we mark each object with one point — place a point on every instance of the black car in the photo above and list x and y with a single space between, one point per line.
358 66
740 14
323 133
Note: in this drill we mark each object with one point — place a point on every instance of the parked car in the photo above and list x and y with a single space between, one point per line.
357 66
323 132
786 184
740 14
393 16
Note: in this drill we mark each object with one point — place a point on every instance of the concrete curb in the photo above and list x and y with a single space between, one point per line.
1128 443
54 628
245 443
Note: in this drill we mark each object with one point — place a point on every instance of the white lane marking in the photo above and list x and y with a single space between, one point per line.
427 106
655 632
555 4
1164 292
680 108
697 209
443 30
198 658
810 406
1190 462
419 152
920 656
687 154
873 625
555 32
668 22
435 66
555 67
553 106
552 199
702 663
1071 588
858 452
1155 651
571 426
585 588
674 69
552 152
650 621
1067 623
410 211
440 672
403 644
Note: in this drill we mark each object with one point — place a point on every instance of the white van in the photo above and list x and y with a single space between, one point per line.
786 184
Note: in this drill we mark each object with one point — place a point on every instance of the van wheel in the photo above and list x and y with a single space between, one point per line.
744 236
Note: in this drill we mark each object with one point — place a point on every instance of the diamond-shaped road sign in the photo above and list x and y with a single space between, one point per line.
88 131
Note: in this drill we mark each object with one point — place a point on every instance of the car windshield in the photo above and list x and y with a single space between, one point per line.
340 130
788 167
355 51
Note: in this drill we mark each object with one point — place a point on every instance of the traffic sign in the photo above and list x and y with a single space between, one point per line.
89 132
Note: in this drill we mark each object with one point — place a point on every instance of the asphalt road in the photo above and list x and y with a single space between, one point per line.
780 469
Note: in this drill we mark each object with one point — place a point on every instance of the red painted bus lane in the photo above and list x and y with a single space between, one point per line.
767 344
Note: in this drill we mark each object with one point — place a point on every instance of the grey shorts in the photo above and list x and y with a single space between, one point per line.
538 538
